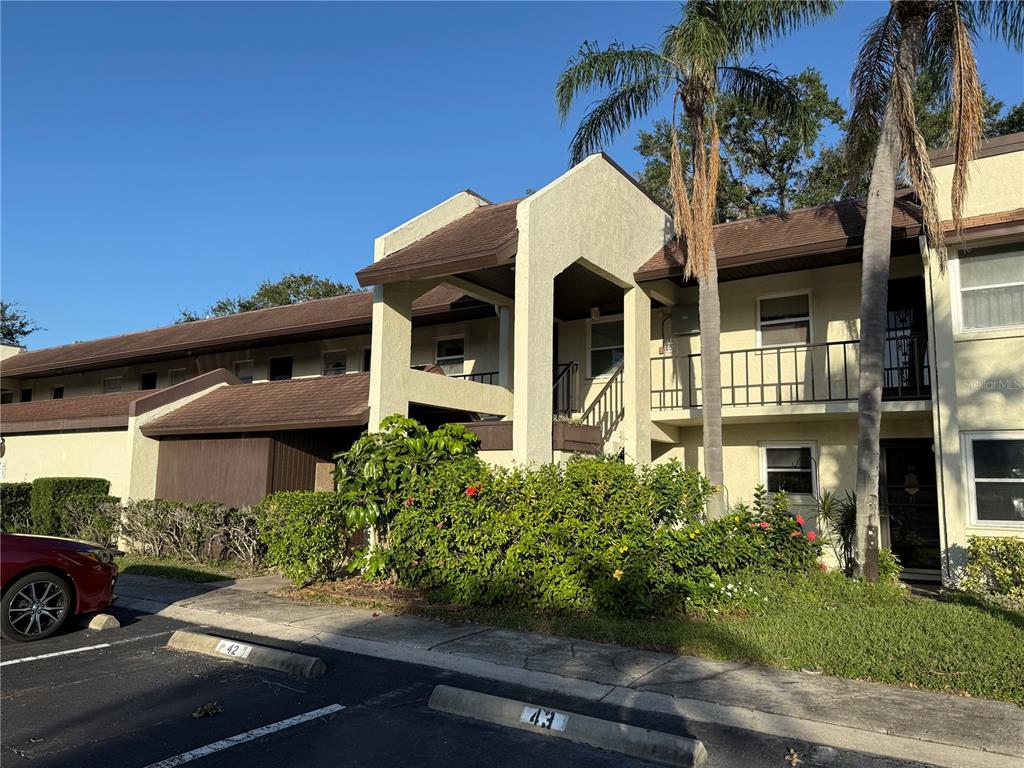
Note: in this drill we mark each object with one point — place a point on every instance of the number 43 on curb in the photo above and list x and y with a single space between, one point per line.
544 719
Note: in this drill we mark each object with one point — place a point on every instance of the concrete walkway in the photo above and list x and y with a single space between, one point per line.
850 714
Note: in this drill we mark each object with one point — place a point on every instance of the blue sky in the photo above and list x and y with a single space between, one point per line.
159 156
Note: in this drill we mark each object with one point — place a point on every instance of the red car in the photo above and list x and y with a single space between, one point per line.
45 580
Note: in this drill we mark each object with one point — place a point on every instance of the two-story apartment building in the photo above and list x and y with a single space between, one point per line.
561 322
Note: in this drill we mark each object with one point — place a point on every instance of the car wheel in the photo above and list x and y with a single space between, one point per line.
35 606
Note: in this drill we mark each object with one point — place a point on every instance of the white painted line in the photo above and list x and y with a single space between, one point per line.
256 733
51 655
86 648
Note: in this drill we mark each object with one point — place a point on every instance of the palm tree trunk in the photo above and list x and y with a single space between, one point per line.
874 295
710 311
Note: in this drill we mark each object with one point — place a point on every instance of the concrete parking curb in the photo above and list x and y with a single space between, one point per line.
642 743
296 664
838 736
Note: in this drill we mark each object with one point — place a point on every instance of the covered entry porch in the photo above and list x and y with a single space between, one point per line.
564 254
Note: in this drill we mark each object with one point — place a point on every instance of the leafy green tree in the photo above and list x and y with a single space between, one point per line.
655 146
290 289
698 65
934 37
1011 122
769 150
765 154
15 325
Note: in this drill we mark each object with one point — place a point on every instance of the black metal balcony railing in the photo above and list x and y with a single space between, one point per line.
485 377
608 408
565 389
807 373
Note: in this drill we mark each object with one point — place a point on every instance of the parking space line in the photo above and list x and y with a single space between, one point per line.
241 738
55 653
85 648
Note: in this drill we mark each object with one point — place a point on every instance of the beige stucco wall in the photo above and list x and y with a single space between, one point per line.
596 216
979 374
97 453
996 184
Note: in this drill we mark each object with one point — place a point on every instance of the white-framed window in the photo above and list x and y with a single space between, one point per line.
990 281
112 384
784 321
791 467
245 371
994 464
177 375
605 346
335 362
450 354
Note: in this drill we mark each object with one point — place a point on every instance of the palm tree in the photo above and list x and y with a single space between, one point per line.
700 62
937 35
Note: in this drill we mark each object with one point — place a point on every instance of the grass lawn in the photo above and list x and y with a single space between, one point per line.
180 570
823 622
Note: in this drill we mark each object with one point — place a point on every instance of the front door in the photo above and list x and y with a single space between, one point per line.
908 499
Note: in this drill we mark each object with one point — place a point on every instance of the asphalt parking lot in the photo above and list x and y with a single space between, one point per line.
120 698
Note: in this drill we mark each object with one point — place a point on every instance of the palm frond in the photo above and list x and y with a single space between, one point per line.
870 86
761 88
699 41
914 148
1005 20
612 67
613 114
951 42
752 24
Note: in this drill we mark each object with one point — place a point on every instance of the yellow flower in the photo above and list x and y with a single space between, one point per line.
693 535
623 550
617 575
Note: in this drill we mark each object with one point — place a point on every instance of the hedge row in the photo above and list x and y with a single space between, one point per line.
594 535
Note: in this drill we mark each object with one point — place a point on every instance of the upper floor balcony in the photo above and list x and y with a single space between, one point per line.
783 376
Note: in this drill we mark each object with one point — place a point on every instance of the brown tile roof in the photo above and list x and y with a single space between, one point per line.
988 220
321 401
279 323
484 237
89 412
802 233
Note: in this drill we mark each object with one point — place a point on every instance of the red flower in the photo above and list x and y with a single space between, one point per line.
799 520
811 535
764 525
410 501
822 566
440 525
795 534
472 491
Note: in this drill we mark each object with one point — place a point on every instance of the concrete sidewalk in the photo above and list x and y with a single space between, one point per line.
849 714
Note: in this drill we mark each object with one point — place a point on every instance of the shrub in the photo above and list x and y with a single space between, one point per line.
593 535
16 507
374 476
305 533
185 530
242 537
93 517
840 521
995 569
889 566
49 495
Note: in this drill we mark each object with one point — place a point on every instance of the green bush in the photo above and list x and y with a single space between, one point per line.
593 535
16 507
889 566
192 531
995 569
49 495
306 533
93 517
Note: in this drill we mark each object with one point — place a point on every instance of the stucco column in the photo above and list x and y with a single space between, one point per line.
390 351
636 375
506 346
533 375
